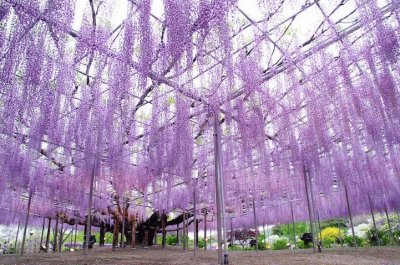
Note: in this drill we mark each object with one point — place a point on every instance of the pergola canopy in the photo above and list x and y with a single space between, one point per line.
130 91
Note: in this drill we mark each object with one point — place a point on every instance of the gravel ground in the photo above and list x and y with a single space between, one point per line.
175 256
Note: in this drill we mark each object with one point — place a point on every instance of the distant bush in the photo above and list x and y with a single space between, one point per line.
333 223
201 243
328 242
171 240
384 237
331 235
280 244
350 242
285 230
300 244
261 245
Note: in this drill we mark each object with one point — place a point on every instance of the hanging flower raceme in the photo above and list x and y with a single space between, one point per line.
146 42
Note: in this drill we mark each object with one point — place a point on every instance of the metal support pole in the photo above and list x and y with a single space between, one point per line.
373 221
76 230
195 218
350 216
89 214
16 237
123 224
294 229
55 235
390 226
313 209
232 231
48 235
255 222
205 230
178 242
28 210
72 233
310 212
264 233
164 232
184 234
221 231
319 228
41 237
133 240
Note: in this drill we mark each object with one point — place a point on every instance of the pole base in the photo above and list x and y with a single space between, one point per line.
226 260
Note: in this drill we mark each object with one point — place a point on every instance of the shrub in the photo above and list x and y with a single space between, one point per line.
327 242
333 223
201 243
300 244
261 245
287 230
280 244
384 237
331 232
171 240
331 235
349 241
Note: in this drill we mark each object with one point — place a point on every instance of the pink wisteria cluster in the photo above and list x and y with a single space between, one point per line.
134 104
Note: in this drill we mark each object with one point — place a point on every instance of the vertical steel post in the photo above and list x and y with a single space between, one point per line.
195 217
373 221
184 247
89 216
310 212
232 230
133 240
123 224
163 231
16 237
294 229
319 228
55 235
178 242
255 222
41 237
205 230
76 230
221 231
264 233
350 216
48 235
390 226
28 210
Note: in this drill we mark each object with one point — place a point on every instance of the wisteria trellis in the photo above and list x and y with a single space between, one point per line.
139 99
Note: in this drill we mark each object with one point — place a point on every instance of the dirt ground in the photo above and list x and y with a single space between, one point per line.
175 256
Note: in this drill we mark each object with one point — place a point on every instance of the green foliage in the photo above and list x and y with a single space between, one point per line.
300 244
331 235
287 230
201 243
280 244
328 242
171 240
349 241
333 223
235 247
384 237
261 245
12 250
240 248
